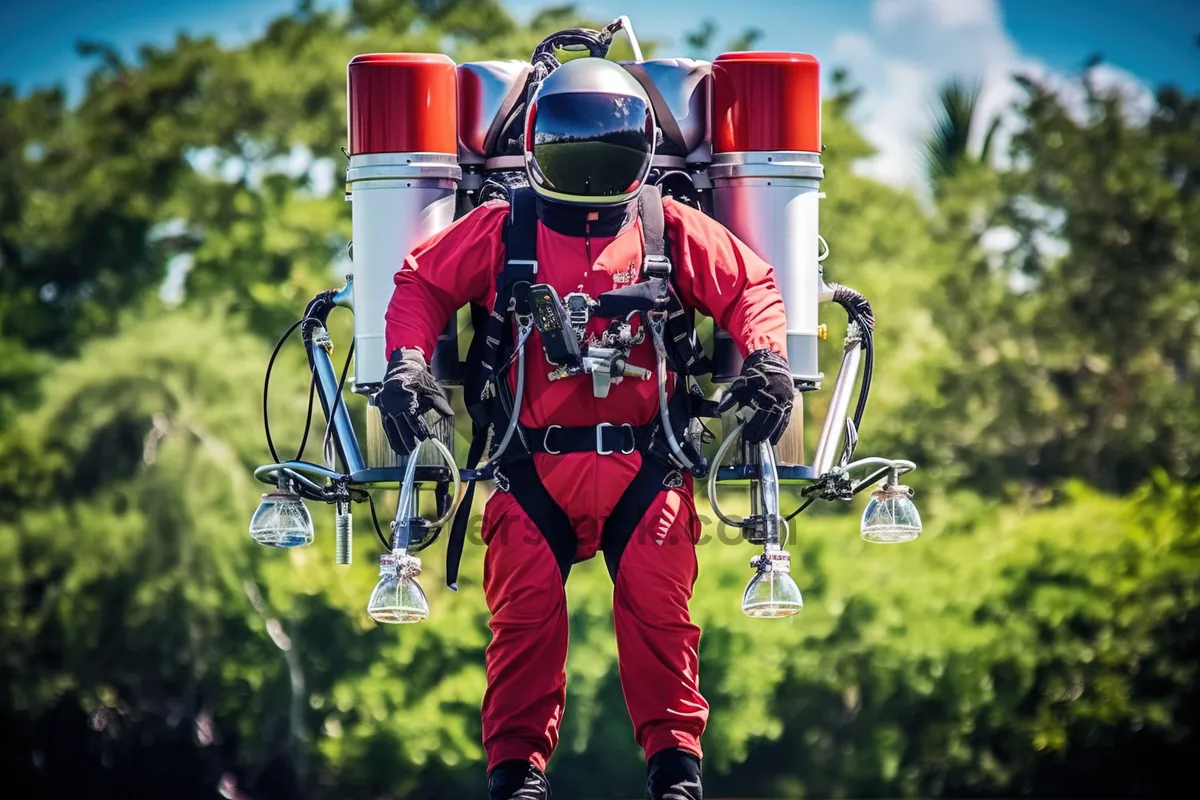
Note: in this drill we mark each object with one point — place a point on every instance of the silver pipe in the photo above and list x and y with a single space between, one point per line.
401 525
327 388
769 482
831 431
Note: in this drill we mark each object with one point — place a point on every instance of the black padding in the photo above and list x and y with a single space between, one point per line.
526 487
520 236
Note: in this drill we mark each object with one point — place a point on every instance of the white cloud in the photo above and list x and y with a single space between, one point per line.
914 46
948 14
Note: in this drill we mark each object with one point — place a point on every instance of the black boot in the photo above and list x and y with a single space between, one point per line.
673 774
517 780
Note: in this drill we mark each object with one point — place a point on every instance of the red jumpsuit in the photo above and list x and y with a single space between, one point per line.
657 643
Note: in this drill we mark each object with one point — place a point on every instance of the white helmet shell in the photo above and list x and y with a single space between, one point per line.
589 134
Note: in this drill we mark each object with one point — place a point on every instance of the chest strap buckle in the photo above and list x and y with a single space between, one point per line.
628 442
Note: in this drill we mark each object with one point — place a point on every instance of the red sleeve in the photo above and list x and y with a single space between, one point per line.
455 267
721 276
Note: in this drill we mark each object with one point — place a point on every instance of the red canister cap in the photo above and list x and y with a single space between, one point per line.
765 102
402 103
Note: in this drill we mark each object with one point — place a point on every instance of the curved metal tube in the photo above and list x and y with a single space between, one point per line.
660 349
900 465
712 477
403 519
517 398
449 457
266 472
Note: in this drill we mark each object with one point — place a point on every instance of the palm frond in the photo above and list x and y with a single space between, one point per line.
948 141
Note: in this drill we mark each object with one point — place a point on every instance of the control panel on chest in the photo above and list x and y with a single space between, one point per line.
574 272
581 268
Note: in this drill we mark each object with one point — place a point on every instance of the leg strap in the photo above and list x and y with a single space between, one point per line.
526 487
654 476
462 517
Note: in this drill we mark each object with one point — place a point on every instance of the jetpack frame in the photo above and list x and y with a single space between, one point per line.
429 140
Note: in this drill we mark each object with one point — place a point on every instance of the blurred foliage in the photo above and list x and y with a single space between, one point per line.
1041 638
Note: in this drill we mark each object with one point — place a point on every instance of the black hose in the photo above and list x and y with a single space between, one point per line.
267 389
858 308
312 393
375 519
338 400
803 506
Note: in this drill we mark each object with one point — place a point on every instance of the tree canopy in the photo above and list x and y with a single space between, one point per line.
1037 356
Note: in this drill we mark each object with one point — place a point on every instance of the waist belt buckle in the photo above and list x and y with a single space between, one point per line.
602 450
546 440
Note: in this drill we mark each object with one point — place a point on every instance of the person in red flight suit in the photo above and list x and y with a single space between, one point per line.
568 476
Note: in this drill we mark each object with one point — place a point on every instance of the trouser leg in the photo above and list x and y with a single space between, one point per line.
526 660
657 643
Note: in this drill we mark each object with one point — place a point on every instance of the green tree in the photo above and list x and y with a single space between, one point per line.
1042 643
948 146
1076 341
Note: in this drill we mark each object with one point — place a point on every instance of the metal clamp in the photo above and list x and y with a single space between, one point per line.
600 449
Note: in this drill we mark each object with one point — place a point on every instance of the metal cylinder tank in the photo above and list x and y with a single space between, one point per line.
403 174
766 174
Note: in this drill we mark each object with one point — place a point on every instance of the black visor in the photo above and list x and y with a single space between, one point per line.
591 145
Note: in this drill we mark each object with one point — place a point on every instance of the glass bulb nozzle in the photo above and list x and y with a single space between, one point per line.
772 592
282 520
398 598
890 516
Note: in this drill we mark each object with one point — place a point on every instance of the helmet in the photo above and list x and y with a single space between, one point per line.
589 134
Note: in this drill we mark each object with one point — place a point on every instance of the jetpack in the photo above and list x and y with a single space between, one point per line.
430 140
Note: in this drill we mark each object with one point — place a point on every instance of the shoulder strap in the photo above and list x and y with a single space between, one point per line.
520 266
656 261
520 238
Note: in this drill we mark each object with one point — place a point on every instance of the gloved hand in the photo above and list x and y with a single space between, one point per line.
764 394
409 390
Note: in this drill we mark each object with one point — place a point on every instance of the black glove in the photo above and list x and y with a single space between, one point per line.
409 390
765 388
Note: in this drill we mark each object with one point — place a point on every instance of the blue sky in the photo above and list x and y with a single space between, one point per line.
898 50
1152 39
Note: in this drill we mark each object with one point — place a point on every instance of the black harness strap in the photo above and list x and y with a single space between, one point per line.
653 477
520 252
551 521
654 292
